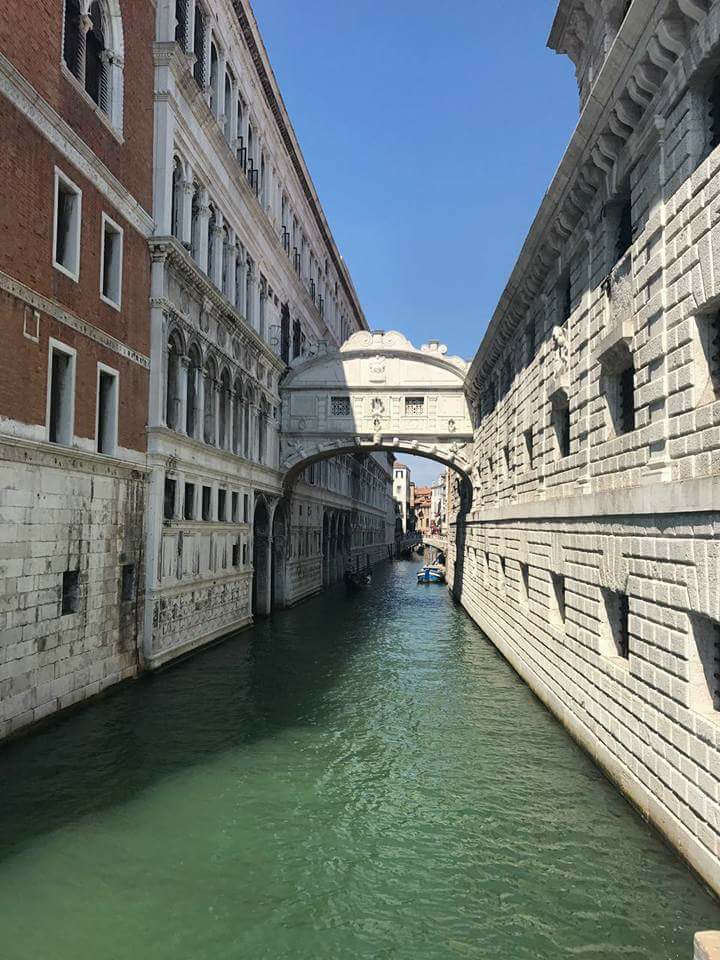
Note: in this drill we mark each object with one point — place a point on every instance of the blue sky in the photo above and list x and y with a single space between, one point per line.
431 132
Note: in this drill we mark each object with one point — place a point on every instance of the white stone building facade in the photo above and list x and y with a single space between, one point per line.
591 552
246 279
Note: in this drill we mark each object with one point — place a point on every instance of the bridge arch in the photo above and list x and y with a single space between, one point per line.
377 393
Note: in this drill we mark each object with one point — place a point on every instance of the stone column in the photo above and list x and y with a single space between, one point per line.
231 254
203 221
183 368
186 196
215 268
231 420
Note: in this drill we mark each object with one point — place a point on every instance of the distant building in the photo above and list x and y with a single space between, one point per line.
423 509
402 495
438 504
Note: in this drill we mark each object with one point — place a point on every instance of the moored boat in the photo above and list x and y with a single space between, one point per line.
431 573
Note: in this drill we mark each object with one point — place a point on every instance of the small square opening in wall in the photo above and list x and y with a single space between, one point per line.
169 499
66 227
558 596
70 602
111 256
704 666
617 616
206 503
127 589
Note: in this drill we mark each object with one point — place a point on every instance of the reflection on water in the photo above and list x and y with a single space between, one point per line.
361 777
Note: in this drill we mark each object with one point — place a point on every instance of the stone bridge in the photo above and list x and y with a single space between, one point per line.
377 392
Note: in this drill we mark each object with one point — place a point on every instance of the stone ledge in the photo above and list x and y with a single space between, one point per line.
700 495
36 453
707 945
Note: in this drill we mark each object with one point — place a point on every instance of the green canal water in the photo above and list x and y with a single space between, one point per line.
360 777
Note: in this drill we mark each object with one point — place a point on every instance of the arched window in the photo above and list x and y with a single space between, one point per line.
248 292
177 199
93 51
224 411
227 105
199 47
195 223
240 151
209 396
246 421
214 97
193 391
226 251
239 279
172 382
237 416
262 426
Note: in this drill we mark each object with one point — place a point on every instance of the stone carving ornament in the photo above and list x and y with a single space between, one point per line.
560 349
377 406
377 369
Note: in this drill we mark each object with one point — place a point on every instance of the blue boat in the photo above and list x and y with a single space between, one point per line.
431 573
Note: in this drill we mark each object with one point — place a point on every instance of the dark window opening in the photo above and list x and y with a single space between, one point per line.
246 508
70 592
107 412
627 399
189 501
222 498
206 502
624 235
558 585
617 607
528 435
525 581
235 507
127 591
169 507
60 426
714 112
561 423
236 554
199 48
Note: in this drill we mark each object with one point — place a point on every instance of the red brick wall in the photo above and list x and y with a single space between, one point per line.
31 38
23 385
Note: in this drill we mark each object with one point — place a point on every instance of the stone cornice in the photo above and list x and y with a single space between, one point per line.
38 453
646 50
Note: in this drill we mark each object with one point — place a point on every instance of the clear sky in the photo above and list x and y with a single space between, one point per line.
431 132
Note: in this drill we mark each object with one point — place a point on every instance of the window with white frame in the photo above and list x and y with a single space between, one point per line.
107 410
111 256
66 226
60 415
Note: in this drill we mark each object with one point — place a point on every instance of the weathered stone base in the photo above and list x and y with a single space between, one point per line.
646 719
62 511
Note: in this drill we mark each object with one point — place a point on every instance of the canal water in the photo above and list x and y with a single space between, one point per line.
360 777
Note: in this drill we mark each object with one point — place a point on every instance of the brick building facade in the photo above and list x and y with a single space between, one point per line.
74 288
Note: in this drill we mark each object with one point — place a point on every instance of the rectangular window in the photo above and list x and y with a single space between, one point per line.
627 400
169 505
235 507
111 256
70 602
708 358
528 436
61 394
236 554
340 407
558 591
244 554
561 423
617 613
127 589
107 410
246 508
206 503
414 406
189 501
222 503
507 456
66 227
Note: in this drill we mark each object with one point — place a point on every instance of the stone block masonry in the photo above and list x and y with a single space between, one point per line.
71 575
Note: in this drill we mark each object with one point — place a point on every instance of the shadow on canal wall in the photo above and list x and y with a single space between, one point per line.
257 685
